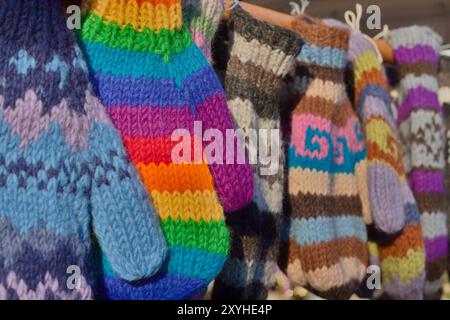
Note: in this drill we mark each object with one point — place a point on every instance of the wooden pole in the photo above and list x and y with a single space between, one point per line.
285 21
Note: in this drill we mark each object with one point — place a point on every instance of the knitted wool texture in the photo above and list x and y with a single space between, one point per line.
63 168
327 158
203 18
154 80
402 257
444 98
385 170
261 55
421 127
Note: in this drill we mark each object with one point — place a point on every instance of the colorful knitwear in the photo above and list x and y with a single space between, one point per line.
154 80
327 158
261 55
385 169
421 127
203 17
64 175
444 98
402 257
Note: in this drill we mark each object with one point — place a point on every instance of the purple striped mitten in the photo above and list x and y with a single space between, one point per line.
421 127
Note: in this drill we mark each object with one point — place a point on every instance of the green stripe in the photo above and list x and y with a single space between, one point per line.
211 236
165 42
204 24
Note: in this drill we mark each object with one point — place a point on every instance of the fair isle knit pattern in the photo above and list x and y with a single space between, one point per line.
154 80
203 17
261 55
401 251
421 128
63 169
327 237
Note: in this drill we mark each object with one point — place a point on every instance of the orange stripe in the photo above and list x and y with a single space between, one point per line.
176 177
374 77
411 239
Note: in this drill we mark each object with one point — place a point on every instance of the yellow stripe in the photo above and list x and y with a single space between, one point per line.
407 269
373 248
186 206
128 12
365 62
378 131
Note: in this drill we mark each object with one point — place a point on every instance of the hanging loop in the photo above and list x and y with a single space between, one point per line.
298 8
354 21
233 4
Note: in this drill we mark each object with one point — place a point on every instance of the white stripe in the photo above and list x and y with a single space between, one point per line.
412 81
328 90
434 224
262 55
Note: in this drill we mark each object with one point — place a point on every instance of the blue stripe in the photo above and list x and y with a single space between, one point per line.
326 164
412 214
326 57
326 229
166 287
144 64
150 92
181 261
375 91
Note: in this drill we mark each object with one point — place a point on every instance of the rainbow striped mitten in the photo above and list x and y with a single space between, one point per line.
154 80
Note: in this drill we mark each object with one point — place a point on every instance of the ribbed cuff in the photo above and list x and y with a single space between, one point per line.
411 36
315 32
273 36
212 10
32 21
415 44
154 15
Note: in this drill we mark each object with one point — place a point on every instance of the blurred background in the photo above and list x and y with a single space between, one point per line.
394 13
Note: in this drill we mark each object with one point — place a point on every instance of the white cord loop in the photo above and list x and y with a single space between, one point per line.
298 8
354 21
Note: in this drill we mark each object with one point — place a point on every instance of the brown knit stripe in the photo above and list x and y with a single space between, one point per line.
265 106
313 206
435 269
314 31
325 73
327 254
248 72
273 36
430 202
375 153
418 69
324 108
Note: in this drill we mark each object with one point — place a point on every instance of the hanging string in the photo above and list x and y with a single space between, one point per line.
383 34
234 4
354 21
298 9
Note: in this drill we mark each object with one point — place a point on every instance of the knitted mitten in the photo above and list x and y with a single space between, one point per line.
444 98
261 55
401 255
385 169
63 168
203 17
154 80
421 128
327 243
